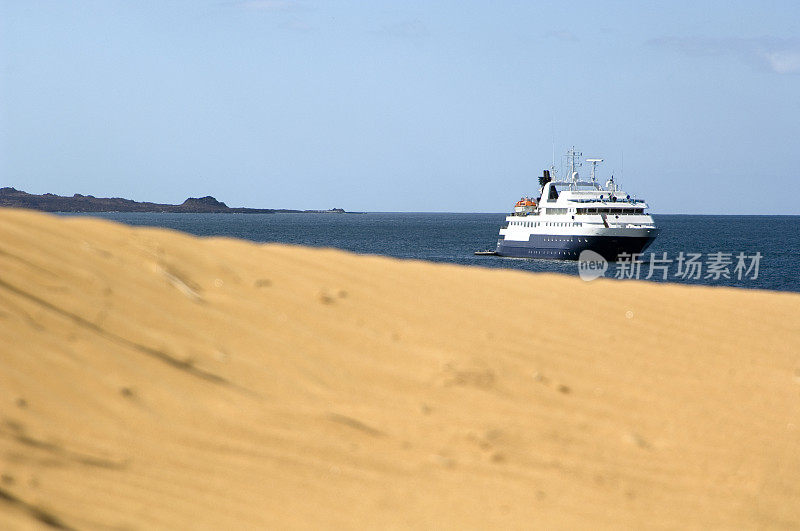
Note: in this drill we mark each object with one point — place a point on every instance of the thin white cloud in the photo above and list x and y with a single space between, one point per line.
784 62
781 56
563 35
298 25
273 6
290 14
405 29
266 5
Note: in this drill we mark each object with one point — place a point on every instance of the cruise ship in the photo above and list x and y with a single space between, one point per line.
573 215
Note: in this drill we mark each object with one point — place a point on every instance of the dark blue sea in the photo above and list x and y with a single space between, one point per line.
454 237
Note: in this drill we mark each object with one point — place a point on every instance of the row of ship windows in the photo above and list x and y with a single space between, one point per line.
597 211
545 223
609 211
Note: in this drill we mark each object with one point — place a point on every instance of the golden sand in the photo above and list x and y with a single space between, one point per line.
150 379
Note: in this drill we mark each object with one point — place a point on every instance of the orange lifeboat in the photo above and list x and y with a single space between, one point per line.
525 206
525 202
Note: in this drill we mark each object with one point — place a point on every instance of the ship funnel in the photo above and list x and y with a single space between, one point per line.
545 178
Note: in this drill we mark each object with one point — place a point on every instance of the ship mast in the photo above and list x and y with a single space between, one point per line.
573 158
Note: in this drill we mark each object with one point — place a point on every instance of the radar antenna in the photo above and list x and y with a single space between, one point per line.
594 162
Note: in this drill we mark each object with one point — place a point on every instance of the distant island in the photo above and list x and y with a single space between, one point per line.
11 197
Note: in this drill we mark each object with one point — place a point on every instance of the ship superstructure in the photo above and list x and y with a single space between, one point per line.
572 215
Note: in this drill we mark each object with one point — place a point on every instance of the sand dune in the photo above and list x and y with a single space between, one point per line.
149 379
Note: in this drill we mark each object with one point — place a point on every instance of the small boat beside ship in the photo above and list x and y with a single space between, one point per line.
573 215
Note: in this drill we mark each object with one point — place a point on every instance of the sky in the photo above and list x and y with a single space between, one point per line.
450 106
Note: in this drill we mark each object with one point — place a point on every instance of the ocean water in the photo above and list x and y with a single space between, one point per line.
454 237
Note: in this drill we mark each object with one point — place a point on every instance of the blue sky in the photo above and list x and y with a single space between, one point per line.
401 106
